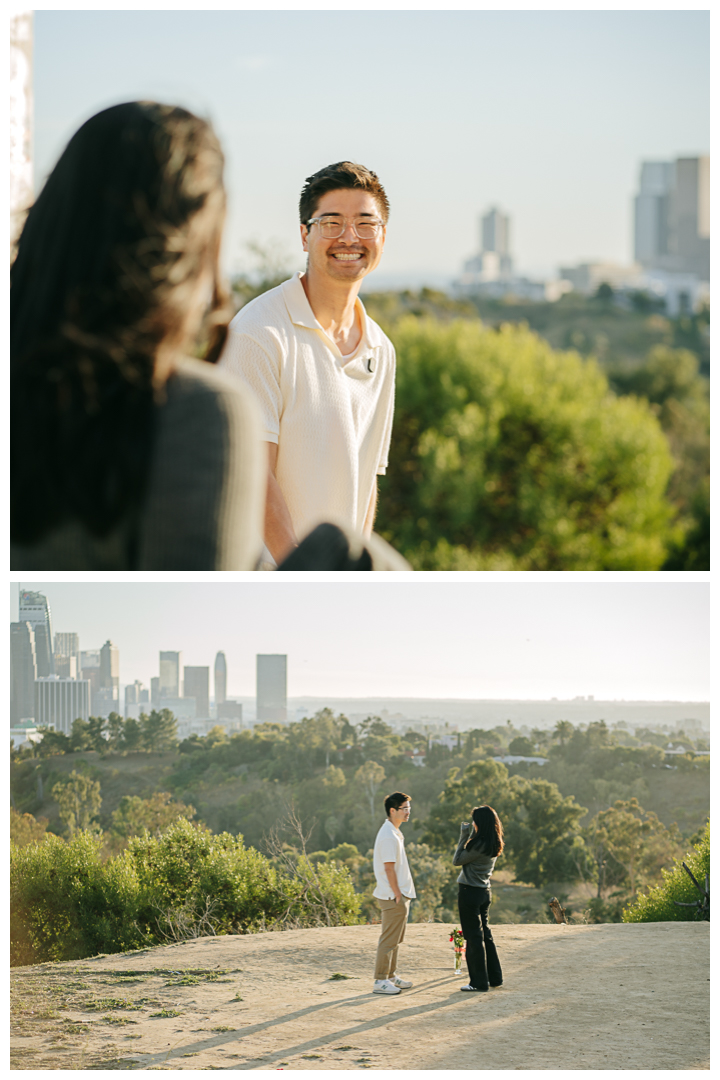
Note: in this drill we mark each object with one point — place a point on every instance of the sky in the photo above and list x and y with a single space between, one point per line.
546 114
470 640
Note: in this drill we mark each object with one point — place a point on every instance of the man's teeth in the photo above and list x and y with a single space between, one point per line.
350 257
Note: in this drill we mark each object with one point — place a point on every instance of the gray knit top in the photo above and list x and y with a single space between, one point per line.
477 865
206 487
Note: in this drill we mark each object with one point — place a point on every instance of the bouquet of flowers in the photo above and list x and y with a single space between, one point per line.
458 944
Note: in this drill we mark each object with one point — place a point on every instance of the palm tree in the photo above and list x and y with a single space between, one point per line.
563 730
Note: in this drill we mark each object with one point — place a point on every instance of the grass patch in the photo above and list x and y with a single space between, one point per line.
117 1020
164 1013
100 1004
338 975
223 1027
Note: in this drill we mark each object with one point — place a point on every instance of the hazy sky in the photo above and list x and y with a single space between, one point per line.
466 640
547 114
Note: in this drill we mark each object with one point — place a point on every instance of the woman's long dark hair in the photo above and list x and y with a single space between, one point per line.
489 833
107 264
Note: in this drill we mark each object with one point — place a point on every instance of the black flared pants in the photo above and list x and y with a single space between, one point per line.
480 952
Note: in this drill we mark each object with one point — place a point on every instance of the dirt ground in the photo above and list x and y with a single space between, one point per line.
609 996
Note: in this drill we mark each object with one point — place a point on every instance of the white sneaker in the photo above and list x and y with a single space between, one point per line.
404 984
384 986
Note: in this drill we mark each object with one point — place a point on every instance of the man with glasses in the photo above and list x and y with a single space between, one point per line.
393 893
323 372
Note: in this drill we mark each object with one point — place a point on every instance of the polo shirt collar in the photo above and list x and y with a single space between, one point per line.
301 313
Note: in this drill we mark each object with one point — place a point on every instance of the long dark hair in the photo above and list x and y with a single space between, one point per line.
489 833
107 263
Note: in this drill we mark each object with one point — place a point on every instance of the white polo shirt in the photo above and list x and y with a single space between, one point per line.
330 415
390 847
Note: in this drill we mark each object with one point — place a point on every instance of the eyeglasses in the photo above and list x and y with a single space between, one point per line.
404 808
333 226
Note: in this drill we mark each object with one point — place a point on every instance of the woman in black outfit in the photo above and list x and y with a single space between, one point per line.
481 841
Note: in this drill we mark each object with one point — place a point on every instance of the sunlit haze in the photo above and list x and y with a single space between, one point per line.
634 641
547 114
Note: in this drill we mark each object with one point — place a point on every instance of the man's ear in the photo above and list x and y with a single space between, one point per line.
303 236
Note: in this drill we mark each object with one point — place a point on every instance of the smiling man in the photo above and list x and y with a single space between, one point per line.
323 372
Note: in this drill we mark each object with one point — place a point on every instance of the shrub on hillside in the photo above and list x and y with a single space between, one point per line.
657 905
66 903
508 454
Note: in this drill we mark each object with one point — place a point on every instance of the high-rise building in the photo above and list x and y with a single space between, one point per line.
170 668
231 713
494 262
67 655
271 687
90 670
197 685
137 699
58 702
23 672
220 679
672 216
155 690
34 609
106 698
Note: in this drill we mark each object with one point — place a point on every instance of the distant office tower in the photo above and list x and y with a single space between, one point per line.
494 262
230 710
67 656
197 685
272 687
220 679
155 689
90 671
35 610
23 672
672 216
170 666
495 232
60 701
137 700
652 211
106 698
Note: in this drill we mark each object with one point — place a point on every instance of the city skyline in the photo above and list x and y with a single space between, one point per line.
465 641
545 132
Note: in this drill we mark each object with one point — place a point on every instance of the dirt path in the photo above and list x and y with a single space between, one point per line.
575 997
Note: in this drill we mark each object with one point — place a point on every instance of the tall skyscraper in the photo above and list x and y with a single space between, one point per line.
197 685
220 679
494 262
271 687
170 668
106 698
34 609
155 690
67 656
495 232
60 701
23 672
672 216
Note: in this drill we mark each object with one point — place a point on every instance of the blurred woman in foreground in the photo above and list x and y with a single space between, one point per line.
481 841
126 453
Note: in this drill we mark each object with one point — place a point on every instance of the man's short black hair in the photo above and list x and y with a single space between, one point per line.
395 801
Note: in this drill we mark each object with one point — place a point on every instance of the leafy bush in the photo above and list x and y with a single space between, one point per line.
66 904
508 454
657 904
183 883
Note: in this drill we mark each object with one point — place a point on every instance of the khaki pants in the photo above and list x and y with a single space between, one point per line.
394 921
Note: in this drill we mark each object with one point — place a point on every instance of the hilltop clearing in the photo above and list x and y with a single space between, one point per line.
575 997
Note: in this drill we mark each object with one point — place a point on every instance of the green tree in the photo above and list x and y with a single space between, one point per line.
658 904
484 782
158 731
79 801
155 814
563 730
131 736
522 745
543 834
630 845
25 829
511 455
370 776
53 742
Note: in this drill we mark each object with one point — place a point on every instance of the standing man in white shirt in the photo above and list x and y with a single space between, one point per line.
322 371
393 893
